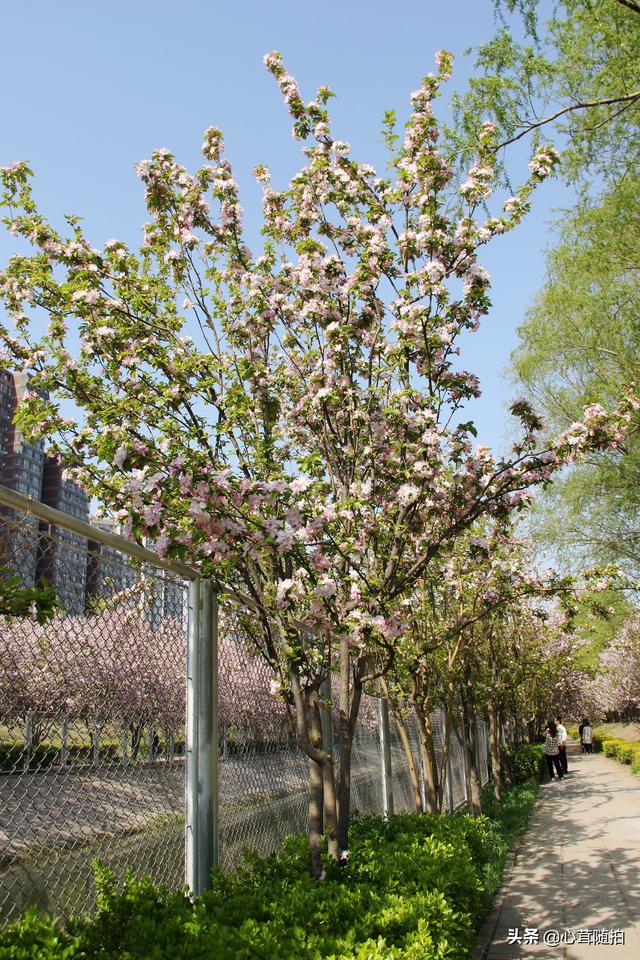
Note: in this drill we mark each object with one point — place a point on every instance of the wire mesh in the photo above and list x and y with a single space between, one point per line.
366 755
92 714
92 731
263 774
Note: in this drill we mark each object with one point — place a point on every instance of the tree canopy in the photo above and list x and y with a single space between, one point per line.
574 74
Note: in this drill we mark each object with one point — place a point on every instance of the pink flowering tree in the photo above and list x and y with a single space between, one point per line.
248 705
113 668
459 651
287 419
616 688
32 682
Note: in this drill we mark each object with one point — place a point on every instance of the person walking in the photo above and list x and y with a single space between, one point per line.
587 737
552 751
580 729
562 744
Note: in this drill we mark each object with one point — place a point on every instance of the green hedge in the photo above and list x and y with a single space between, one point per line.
527 761
624 751
13 756
415 887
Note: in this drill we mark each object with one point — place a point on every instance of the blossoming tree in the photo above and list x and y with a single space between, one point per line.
459 651
114 668
287 419
616 686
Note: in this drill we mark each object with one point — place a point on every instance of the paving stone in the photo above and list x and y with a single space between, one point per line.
577 867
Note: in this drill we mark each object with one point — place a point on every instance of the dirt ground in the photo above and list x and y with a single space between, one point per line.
624 731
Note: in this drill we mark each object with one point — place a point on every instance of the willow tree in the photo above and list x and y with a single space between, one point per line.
571 72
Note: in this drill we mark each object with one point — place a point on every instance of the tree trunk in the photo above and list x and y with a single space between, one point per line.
401 727
349 708
473 780
445 765
309 735
316 786
531 730
403 733
328 793
494 741
136 739
315 818
504 754
429 760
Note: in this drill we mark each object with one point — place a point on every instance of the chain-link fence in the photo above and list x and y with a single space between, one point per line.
92 720
99 735
264 775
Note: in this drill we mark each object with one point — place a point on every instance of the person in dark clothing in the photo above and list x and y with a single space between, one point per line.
552 750
580 729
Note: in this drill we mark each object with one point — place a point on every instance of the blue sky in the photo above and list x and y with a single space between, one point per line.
89 89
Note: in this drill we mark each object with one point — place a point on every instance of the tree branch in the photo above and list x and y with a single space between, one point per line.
606 101
630 5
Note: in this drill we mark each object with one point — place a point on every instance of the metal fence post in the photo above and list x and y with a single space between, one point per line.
201 820
191 739
423 782
385 757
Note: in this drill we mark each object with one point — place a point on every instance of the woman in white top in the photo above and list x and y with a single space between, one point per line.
562 744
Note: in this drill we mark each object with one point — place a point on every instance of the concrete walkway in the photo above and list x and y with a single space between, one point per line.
576 872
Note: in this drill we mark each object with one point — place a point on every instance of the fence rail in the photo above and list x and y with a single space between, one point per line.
64 521
118 744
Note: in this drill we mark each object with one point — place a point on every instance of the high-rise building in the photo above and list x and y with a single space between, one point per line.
87 575
7 408
62 558
109 574
28 547
21 470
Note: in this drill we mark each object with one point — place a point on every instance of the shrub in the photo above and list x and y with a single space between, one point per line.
13 756
414 888
625 751
527 762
